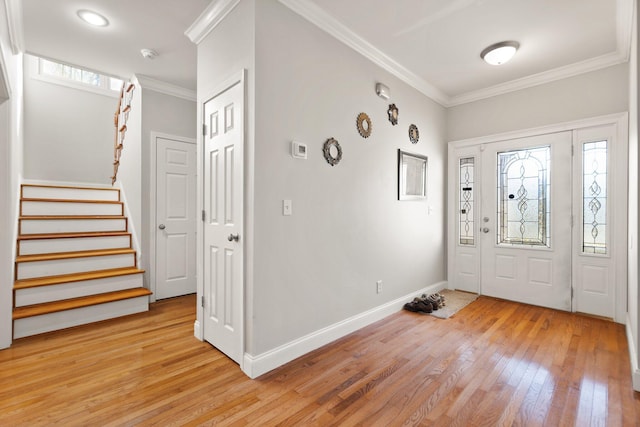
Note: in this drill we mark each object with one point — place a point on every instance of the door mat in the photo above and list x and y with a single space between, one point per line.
455 300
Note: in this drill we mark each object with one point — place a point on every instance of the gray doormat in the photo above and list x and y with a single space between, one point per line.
455 300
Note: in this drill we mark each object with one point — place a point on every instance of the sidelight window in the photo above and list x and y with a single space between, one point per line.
466 198
594 197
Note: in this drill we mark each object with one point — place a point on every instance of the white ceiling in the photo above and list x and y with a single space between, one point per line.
52 29
434 45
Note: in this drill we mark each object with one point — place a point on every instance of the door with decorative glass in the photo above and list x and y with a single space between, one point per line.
525 220
540 216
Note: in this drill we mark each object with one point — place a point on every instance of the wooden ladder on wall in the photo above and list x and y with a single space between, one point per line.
75 263
120 119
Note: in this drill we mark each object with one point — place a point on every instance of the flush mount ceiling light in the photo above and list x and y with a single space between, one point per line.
93 18
499 53
148 53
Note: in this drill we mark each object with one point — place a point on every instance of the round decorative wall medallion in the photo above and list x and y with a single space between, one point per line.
393 114
414 135
332 151
364 125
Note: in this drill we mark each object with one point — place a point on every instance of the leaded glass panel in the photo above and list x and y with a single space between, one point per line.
466 210
594 197
524 197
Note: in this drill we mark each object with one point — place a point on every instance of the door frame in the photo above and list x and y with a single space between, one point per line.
153 169
620 120
240 78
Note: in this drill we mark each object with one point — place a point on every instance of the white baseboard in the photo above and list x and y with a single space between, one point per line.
633 356
197 331
254 366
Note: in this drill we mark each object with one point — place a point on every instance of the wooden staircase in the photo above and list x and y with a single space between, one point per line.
75 263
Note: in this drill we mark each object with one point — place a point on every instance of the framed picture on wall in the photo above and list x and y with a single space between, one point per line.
412 176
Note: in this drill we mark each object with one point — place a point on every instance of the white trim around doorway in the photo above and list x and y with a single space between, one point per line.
153 141
620 120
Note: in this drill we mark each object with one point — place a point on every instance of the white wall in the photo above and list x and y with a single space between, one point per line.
11 139
592 94
69 132
348 230
319 266
164 114
229 48
129 178
633 322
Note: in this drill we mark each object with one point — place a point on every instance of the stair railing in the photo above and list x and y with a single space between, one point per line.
120 122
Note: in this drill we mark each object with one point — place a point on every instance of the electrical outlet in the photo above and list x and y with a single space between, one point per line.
379 286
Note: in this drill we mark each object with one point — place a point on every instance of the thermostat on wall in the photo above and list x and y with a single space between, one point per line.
298 150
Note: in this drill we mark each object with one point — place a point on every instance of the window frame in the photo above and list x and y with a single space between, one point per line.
105 79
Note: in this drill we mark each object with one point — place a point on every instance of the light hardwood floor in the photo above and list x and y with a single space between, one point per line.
493 363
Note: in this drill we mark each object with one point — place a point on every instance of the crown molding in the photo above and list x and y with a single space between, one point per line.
14 23
5 87
166 88
314 14
311 12
560 73
209 19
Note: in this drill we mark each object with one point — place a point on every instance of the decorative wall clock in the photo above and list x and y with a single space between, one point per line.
332 151
393 114
414 135
363 122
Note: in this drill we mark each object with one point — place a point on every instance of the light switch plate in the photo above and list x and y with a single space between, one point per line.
287 208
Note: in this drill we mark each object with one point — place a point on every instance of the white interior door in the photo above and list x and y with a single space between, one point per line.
175 218
223 224
526 220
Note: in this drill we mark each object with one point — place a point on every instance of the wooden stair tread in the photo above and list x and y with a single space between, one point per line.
70 304
73 235
108 202
72 217
75 277
72 187
78 254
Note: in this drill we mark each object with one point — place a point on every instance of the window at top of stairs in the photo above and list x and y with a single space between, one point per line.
77 77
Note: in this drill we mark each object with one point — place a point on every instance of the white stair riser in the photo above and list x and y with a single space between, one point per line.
42 294
70 208
79 316
29 192
30 270
50 246
44 226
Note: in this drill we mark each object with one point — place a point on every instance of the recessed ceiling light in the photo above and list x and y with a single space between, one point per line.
499 53
93 18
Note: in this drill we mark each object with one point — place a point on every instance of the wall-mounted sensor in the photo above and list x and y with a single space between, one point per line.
382 91
298 150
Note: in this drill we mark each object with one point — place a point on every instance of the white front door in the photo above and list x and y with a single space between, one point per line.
175 218
223 223
502 241
525 220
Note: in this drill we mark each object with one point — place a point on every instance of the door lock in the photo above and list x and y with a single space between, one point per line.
233 237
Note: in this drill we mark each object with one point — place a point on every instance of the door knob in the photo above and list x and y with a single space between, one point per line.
233 237
161 227
485 230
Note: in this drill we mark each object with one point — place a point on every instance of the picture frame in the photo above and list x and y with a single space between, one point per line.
412 176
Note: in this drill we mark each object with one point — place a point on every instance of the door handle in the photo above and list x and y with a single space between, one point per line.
233 237
161 227
485 230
